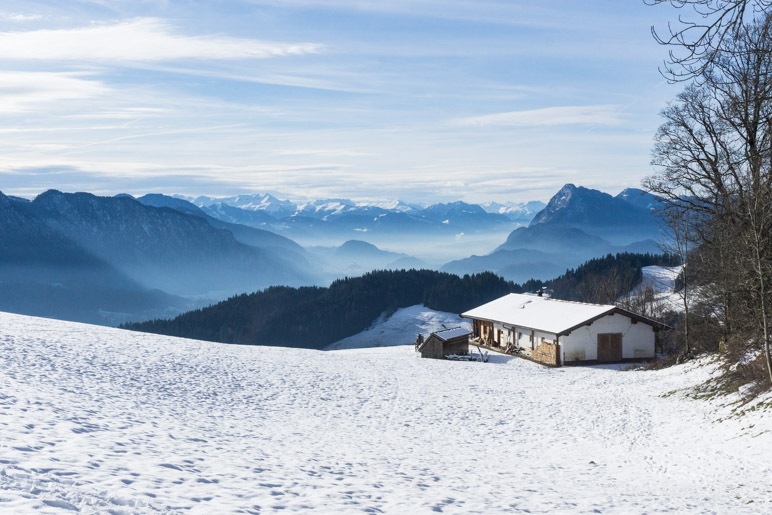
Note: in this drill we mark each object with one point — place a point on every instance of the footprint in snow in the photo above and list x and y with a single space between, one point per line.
60 504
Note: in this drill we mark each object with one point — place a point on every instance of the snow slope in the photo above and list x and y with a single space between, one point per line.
662 279
108 421
402 328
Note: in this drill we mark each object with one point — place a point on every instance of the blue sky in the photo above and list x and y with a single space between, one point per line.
422 100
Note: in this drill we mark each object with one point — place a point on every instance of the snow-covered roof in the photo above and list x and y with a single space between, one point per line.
455 332
541 313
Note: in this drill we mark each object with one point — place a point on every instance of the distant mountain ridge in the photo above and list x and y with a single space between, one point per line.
519 212
244 234
321 221
163 248
44 272
640 198
621 219
153 250
326 208
356 257
85 243
577 224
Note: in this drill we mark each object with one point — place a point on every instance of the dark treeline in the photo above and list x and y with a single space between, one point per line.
604 280
313 317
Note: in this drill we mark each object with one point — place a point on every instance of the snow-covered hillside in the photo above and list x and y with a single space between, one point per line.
401 328
108 421
662 281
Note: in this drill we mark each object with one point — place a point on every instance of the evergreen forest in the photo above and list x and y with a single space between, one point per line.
314 317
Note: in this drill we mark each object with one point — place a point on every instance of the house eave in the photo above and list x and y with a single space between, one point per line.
586 322
564 332
510 324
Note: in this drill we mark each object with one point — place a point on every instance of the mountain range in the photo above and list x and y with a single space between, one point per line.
577 224
356 257
45 273
326 221
621 220
110 259
85 257
325 208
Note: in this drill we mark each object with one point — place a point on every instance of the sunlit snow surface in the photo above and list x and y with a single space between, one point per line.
402 328
107 421
662 280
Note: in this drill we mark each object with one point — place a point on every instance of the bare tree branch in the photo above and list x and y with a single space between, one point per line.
713 161
695 40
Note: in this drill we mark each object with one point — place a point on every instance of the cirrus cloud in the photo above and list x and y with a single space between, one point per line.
19 18
25 91
605 114
139 39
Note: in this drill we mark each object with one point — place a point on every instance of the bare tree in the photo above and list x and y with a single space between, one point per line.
680 220
758 237
718 261
713 156
701 31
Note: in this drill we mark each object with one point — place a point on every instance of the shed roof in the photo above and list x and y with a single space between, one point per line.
455 332
546 314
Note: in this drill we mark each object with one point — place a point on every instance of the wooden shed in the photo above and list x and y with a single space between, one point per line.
444 343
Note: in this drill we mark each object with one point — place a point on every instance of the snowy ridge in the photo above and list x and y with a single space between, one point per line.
108 421
516 211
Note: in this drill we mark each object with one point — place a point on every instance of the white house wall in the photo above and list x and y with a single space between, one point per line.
582 344
521 336
505 331
539 336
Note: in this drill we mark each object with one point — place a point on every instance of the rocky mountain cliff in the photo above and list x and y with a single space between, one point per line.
577 224
621 220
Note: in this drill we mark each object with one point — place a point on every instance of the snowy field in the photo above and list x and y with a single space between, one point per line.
98 420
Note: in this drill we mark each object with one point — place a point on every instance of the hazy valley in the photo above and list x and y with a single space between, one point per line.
109 260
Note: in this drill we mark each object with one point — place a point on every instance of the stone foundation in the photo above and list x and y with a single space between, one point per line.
547 353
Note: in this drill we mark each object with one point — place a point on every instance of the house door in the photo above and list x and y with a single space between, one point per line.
609 347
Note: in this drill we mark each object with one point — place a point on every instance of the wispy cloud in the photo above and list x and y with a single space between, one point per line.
409 98
24 91
139 39
18 17
549 116
307 78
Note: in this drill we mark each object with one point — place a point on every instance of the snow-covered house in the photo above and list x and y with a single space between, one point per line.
558 332
444 343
